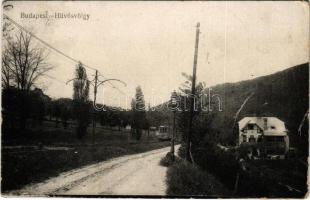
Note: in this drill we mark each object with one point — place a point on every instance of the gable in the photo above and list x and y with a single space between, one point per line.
274 126
251 126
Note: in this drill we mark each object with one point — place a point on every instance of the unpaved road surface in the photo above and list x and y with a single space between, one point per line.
138 174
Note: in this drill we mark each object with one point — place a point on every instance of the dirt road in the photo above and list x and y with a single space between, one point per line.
138 174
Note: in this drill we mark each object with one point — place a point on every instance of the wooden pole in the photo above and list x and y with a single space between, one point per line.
188 145
173 136
94 114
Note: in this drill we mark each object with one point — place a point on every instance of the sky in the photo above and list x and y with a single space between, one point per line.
151 43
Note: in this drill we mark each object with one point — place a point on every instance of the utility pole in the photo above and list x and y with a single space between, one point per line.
94 111
173 103
188 145
96 83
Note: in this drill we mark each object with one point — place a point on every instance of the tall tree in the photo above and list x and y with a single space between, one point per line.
7 26
139 121
201 120
81 100
6 72
23 61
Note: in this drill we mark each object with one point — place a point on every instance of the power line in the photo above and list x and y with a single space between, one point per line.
113 86
55 79
55 49
45 43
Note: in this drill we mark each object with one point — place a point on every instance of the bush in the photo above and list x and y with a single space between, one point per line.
182 151
262 177
185 179
221 163
211 158
168 160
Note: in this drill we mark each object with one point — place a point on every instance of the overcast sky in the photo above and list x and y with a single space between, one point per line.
151 43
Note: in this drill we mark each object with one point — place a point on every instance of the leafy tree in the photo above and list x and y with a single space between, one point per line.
12 101
184 98
138 113
56 111
80 100
38 104
62 109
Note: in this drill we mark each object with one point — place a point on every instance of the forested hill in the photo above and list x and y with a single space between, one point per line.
284 95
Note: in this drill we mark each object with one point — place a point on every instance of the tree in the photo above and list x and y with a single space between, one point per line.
201 124
61 109
23 61
34 104
139 114
184 98
7 26
56 111
7 75
23 64
65 111
81 102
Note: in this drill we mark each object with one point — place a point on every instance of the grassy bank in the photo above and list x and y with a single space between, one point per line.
260 178
24 161
185 179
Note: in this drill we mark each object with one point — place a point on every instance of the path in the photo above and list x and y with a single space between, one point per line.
138 174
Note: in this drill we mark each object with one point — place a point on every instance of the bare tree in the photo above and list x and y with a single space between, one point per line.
7 75
7 26
6 29
23 62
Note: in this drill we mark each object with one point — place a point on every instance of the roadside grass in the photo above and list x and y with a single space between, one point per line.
262 178
186 179
31 163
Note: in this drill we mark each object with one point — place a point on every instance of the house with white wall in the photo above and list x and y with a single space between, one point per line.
269 131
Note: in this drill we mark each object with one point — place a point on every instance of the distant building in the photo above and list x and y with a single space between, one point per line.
268 131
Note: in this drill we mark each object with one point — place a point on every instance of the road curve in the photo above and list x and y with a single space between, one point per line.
138 174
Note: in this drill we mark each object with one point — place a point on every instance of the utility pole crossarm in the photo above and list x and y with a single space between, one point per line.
112 79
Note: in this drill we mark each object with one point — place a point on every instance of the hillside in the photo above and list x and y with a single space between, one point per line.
284 95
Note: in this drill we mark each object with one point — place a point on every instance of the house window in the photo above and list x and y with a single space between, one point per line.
243 138
250 126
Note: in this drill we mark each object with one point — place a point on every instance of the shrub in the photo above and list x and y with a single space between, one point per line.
221 163
182 151
168 160
185 179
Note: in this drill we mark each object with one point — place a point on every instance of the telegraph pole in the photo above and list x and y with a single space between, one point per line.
94 111
173 103
96 83
188 146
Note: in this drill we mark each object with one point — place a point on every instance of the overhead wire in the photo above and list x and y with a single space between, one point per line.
56 50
